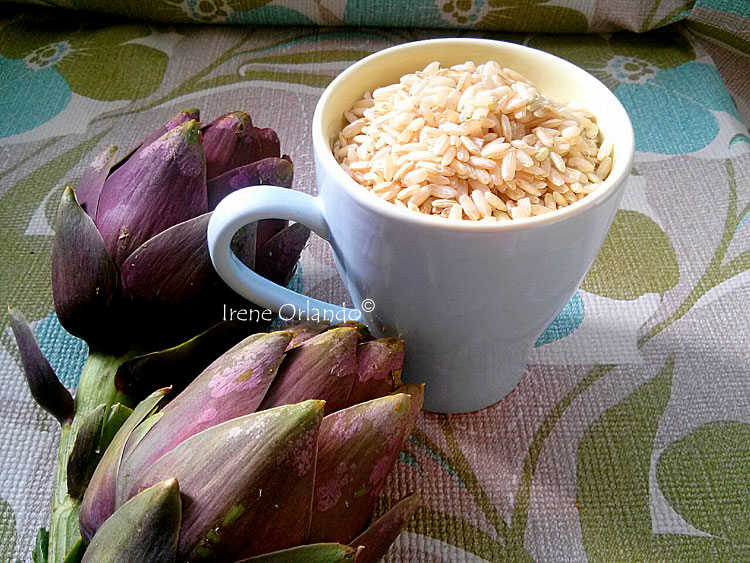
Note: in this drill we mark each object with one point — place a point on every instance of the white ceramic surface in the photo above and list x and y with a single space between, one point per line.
469 299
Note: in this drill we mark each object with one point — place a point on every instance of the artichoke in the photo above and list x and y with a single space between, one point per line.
132 276
277 451
130 264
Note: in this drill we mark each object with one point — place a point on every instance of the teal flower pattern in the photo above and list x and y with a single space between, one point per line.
49 58
44 94
565 322
657 84
659 119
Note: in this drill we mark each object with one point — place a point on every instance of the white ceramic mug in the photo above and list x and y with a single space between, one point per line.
470 299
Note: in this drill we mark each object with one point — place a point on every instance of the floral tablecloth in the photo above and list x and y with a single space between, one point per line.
628 437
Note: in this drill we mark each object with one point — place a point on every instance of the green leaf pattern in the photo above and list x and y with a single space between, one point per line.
7 530
713 458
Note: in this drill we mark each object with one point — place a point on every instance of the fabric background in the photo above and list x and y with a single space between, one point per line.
628 437
718 18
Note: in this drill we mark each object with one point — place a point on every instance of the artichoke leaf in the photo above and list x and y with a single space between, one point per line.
379 536
85 282
179 365
379 365
161 185
85 454
322 367
99 499
275 260
357 449
144 529
232 386
92 181
313 553
249 481
44 385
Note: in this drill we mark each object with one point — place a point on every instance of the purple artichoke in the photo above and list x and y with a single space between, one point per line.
279 449
132 276
130 262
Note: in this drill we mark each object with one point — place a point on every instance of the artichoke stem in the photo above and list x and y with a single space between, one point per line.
96 387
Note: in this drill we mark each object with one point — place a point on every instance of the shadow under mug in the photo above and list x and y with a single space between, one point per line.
470 299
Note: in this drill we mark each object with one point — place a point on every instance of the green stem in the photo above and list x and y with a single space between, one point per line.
461 465
523 491
96 387
715 273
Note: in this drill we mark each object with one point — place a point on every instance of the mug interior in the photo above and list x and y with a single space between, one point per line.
554 77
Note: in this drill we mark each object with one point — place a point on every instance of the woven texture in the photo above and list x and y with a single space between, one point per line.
628 437
722 19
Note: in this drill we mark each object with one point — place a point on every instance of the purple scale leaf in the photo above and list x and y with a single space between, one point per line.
416 392
322 367
357 449
305 331
277 258
379 364
163 184
379 536
232 386
44 385
85 282
92 181
268 172
171 284
246 484
232 141
179 365
178 119
363 333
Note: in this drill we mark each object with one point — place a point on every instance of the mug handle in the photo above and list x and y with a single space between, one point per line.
256 203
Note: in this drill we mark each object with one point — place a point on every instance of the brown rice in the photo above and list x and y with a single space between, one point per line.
472 142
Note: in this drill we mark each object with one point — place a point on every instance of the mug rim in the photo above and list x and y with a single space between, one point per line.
366 199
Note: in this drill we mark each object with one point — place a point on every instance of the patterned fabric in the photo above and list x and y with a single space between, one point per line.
628 438
718 18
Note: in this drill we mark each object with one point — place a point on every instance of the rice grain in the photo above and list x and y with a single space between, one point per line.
472 142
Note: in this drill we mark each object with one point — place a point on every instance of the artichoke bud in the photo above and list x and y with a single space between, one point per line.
144 529
161 185
44 385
